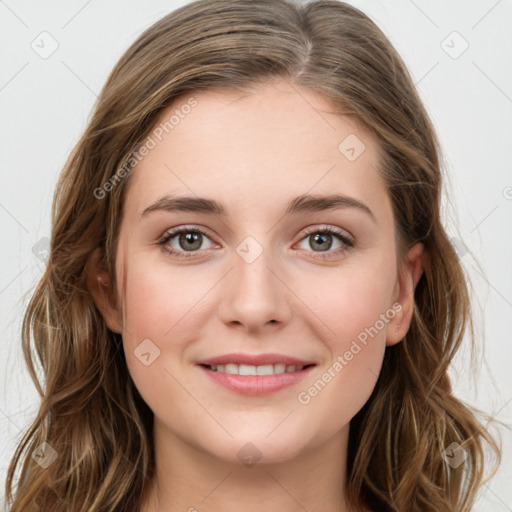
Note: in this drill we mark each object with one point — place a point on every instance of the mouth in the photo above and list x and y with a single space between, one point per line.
247 370
252 380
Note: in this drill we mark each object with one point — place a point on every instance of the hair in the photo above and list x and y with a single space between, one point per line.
91 413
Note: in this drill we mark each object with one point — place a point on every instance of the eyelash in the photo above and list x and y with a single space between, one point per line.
348 242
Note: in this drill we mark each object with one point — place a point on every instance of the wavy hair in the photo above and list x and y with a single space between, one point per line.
91 413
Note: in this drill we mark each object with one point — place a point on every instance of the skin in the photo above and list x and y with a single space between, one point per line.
253 153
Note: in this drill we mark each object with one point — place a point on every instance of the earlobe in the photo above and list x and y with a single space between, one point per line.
98 284
408 278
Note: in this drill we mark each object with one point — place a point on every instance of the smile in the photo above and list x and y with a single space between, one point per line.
247 369
258 380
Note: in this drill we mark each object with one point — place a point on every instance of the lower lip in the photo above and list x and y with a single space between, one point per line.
255 385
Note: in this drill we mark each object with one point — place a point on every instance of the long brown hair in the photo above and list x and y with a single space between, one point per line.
91 414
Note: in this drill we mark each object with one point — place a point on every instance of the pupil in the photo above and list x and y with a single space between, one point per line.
190 238
324 241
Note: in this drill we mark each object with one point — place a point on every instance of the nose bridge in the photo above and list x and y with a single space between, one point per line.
255 283
254 296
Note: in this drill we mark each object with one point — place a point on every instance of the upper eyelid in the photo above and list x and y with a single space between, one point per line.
193 227
326 227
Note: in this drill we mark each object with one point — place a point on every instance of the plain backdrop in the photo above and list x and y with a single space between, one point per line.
459 54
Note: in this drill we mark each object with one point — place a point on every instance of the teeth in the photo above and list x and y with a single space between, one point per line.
231 368
247 369
266 369
279 368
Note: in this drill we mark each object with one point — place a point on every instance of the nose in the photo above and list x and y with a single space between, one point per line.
255 296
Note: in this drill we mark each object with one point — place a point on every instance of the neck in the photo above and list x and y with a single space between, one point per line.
188 479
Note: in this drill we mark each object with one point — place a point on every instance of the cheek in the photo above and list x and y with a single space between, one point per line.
356 308
158 301
351 300
162 313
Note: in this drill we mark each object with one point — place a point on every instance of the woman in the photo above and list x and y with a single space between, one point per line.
204 343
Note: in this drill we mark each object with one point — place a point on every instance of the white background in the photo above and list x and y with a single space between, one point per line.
45 104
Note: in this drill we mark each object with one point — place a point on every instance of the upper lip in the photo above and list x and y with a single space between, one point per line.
255 360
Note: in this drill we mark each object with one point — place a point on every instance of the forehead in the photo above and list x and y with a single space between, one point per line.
274 142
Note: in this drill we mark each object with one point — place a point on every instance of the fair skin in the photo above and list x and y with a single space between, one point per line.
253 154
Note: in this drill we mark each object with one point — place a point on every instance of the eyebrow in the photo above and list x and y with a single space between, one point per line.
305 203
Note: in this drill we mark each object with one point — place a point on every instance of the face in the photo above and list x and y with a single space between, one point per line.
244 268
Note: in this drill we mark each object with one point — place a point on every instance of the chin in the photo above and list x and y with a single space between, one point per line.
266 446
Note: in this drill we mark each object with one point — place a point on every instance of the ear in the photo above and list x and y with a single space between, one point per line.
408 277
100 287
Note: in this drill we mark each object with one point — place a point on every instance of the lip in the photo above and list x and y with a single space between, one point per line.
255 385
255 360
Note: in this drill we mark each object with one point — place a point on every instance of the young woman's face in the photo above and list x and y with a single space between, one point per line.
254 273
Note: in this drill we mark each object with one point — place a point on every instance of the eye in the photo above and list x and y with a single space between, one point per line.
180 241
184 241
322 240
